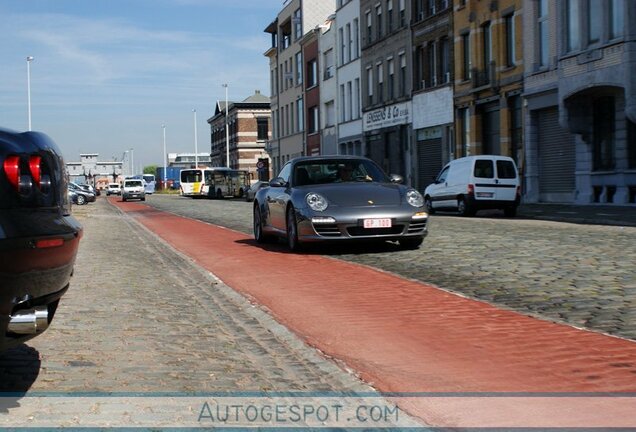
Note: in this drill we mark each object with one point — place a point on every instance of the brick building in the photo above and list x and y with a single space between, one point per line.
249 130
488 78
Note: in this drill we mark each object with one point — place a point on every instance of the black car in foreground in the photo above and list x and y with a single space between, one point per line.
39 238
338 198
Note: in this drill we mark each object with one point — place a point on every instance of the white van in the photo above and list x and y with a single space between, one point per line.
474 183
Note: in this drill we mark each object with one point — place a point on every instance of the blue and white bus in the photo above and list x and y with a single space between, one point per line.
150 183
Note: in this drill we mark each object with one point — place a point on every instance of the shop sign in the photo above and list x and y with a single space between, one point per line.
388 116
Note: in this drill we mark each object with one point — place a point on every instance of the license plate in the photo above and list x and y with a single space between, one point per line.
485 194
377 223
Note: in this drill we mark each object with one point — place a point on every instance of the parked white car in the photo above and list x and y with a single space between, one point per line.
474 183
133 189
113 189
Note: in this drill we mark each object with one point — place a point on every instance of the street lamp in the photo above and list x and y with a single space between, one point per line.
227 131
196 150
29 59
163 126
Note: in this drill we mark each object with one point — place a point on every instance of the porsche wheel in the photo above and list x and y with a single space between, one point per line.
292 230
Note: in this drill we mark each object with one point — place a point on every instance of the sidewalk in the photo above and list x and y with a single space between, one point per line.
588 214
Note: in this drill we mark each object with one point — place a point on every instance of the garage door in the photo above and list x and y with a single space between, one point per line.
429 161
557 161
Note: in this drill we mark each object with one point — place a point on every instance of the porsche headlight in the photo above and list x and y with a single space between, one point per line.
414 198
316 202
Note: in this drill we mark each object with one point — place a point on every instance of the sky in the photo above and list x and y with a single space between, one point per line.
107 74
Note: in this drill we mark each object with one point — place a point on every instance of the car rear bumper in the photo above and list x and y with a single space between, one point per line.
35 270
484 204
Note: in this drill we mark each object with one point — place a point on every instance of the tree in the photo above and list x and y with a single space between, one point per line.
150 169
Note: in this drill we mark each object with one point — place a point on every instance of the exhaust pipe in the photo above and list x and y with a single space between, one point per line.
29 321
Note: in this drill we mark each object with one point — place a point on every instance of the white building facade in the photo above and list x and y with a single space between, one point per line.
348 102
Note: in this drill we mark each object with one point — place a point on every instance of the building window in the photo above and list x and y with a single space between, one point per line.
349 43
312 73
262 129
402 13
444 59
430 7
509 23
378 12
299 68
328 62
573 22
342 45
298 24
380 74
370 86
389 16
464 131
349 101
292 124
402 74
330 114
391 79
343 108
313 125
542 29
418 68
301 114
369 28
419 10
466 56
595 23
356 38
357 99
487 48
603 135
432 65
617 17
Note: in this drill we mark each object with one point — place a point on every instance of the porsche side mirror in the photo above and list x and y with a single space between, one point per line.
277 182
396 178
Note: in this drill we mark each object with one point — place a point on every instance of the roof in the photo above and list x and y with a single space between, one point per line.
257 97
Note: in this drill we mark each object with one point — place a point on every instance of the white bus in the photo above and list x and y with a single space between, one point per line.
150 183
214 182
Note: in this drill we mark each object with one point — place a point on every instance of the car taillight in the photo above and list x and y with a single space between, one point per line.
518 191
48 243
12 171
36 169
471 189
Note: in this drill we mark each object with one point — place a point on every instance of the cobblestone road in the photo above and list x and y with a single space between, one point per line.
579 274
141 318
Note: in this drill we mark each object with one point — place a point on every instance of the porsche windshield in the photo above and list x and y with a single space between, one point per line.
336 171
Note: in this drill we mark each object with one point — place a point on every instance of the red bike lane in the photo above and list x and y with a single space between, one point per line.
470 364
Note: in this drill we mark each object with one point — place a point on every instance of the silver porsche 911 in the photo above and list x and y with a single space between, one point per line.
338 198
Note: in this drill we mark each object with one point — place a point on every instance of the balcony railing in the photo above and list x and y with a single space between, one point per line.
487 77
